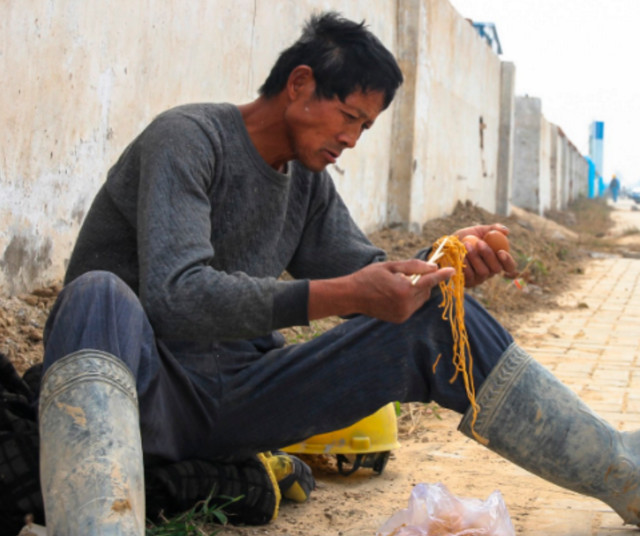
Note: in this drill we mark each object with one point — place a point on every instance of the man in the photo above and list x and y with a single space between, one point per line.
172 295
614 186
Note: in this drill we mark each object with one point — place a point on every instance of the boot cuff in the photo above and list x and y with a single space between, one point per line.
86 365
494 389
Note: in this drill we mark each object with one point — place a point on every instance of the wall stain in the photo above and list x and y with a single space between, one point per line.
24 259
78 212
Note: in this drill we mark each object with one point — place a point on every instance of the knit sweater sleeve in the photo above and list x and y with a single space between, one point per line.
332 244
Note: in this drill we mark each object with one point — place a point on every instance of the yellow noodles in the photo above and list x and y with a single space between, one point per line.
436 363
454 253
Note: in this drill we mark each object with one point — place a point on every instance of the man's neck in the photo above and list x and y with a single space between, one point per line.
264 120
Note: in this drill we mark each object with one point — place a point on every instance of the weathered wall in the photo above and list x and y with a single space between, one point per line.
454 127
82 78
408 117
555 169
575 172
526 153
549 172
506 138
544 172
578 176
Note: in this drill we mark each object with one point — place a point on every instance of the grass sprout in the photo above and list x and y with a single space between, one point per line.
191 522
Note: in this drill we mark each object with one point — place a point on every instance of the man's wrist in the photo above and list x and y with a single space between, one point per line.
331 297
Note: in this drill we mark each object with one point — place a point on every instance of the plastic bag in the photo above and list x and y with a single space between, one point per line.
435 511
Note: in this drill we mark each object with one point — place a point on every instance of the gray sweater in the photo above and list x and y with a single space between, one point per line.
200 227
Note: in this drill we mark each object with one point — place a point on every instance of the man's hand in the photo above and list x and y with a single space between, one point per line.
381 290
481 261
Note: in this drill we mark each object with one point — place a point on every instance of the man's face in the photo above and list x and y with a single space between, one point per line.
320 129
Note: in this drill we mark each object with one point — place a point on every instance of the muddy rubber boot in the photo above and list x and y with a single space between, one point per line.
91 467
532 419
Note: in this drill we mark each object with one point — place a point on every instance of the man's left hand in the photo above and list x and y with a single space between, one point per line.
482 262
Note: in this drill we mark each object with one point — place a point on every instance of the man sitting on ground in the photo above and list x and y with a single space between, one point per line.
172 302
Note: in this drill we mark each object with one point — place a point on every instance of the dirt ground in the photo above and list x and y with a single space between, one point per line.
549 252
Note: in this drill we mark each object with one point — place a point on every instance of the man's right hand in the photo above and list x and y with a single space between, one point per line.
383 290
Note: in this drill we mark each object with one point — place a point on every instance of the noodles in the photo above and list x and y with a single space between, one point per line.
452 254
436 363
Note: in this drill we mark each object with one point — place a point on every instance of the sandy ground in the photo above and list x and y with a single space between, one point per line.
626 217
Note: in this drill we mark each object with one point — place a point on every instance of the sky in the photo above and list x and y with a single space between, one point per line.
582 59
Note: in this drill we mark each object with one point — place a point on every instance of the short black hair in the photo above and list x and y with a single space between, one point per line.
344 56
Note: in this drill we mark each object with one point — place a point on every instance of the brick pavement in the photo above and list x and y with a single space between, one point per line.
592 344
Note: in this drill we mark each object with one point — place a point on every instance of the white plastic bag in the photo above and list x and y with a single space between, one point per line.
434 511
31 529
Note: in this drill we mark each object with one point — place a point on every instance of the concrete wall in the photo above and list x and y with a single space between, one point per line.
578 174
448 115
526 154
507 136
408 124
549 172
555 169
85 77
544 172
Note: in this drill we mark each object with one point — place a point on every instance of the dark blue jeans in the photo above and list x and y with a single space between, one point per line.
212 399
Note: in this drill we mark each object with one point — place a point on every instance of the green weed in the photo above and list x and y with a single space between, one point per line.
434 410
191 523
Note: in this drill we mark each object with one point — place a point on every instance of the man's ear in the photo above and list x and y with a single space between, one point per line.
301 82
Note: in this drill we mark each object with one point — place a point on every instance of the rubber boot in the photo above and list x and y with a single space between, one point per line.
91 467
532 419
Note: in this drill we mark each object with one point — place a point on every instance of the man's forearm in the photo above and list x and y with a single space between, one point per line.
380 290
332 297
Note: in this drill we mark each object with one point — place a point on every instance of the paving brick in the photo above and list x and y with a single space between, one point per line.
596 352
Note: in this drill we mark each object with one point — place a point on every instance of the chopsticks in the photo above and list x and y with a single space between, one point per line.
439 253
436 255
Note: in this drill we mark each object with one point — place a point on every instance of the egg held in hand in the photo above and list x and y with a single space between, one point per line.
472 240
496 241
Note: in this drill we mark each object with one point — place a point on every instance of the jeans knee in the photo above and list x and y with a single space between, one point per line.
100 287
99 281
96 292
99 311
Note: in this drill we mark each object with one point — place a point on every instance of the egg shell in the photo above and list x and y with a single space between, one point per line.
472 240
496 240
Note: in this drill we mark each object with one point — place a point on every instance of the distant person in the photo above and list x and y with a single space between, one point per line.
614 186
164 340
